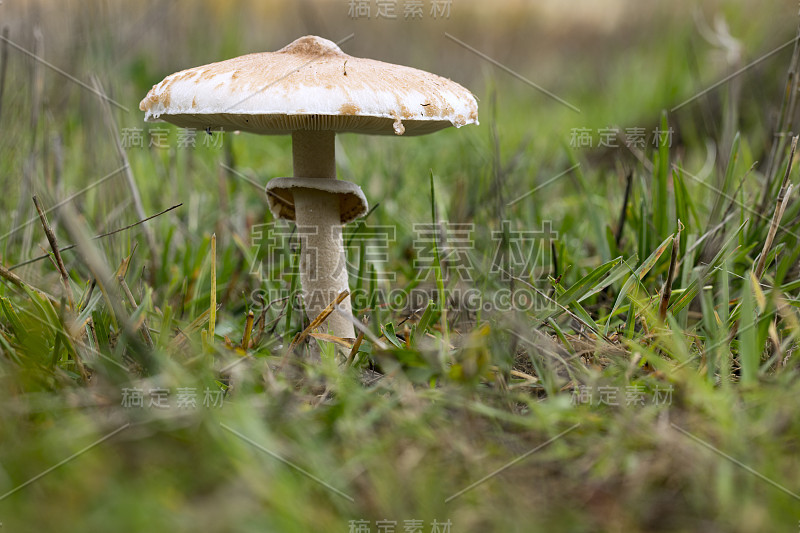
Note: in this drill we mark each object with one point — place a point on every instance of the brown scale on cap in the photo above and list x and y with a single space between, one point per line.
348 109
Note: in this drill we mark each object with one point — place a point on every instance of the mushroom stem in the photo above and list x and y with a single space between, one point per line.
314 154
323 267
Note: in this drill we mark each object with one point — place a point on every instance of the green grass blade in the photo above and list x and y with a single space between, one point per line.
638 274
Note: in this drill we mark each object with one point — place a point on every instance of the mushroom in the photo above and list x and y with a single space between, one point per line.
313 90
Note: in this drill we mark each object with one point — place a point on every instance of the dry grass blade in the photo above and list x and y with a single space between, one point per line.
780 206
321 318
51 238
332 338
354 350
523 375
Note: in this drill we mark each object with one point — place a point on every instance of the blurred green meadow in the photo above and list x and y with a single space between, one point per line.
581 315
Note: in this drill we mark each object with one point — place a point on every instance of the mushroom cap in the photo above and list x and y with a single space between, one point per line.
280 196
310 84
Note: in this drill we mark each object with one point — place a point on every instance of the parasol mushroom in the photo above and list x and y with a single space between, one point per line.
312 90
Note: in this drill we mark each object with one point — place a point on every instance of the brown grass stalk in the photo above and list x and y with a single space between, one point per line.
780 206
51 238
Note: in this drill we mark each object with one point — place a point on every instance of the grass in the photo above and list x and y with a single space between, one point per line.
644 379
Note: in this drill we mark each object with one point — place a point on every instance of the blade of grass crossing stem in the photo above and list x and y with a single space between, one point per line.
437 269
